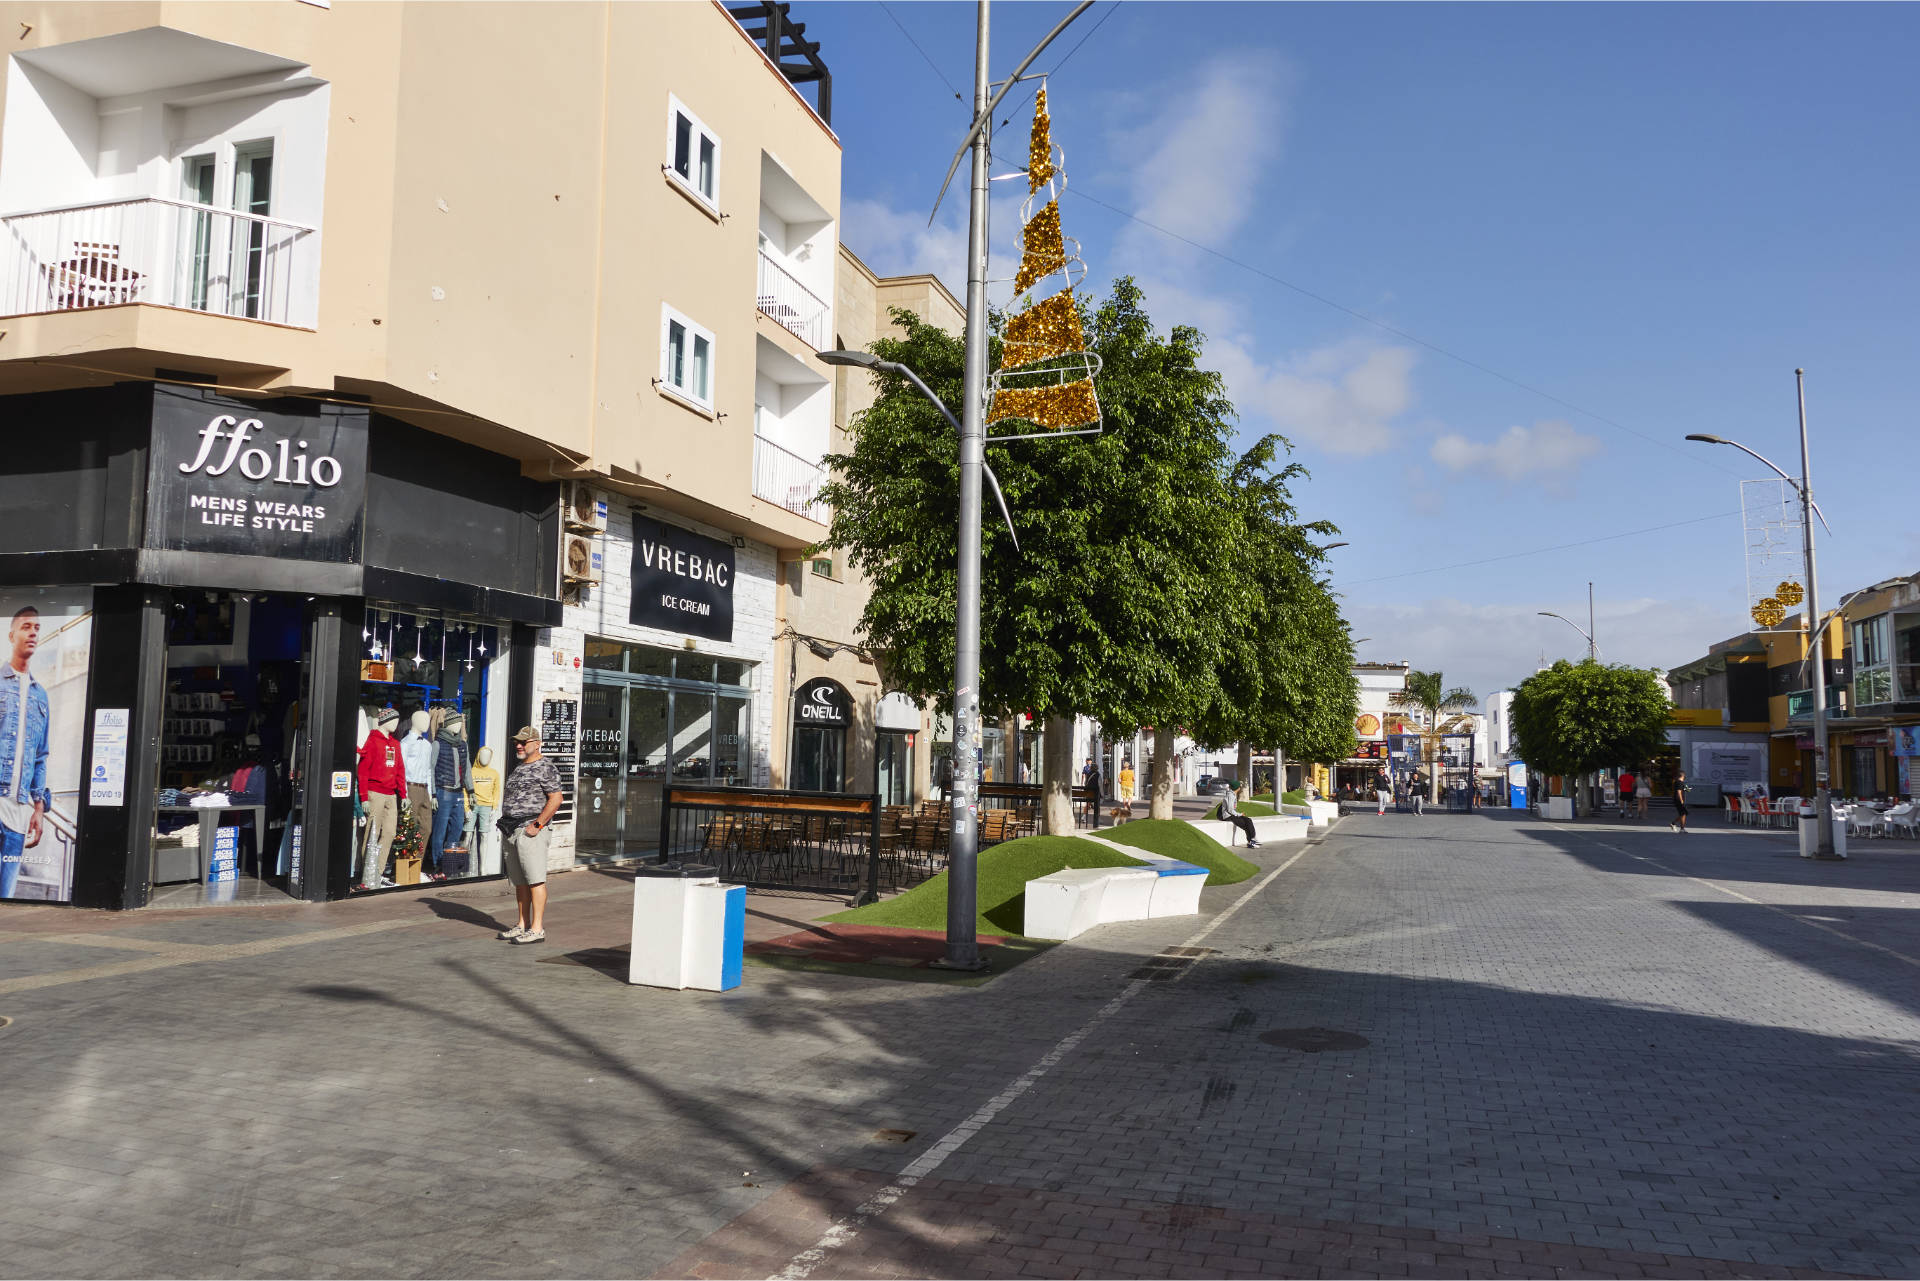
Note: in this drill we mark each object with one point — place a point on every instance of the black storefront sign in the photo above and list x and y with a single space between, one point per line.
682 582
823 702
256 481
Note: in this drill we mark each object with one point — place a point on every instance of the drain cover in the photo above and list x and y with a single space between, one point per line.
1314 1040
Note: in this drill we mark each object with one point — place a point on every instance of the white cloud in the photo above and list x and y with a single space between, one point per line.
1547 450
900 243
1343 398
1201 161
1488 647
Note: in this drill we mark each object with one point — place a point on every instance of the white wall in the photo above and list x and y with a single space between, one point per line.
51 138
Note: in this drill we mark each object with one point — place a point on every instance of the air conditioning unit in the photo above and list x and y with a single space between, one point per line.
580 560
583 508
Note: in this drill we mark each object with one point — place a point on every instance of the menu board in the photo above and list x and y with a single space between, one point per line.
560 743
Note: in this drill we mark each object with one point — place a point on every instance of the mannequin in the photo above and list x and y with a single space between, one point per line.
383 781
416 750
452 780
486 803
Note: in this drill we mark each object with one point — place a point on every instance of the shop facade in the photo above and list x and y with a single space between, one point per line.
659 672
207 601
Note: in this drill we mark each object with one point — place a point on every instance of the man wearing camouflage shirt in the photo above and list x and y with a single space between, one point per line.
527 807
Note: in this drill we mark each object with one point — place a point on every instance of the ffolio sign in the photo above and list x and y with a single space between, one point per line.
287 481
682 582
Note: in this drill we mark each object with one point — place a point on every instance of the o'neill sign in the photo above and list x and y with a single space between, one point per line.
288 482
682 582
824 702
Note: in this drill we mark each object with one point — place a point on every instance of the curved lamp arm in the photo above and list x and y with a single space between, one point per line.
1722 440
1570 623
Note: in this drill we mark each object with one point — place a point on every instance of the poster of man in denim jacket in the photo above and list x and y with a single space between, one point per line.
24 717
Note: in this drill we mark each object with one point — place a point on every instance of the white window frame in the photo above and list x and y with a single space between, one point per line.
668 318
690 184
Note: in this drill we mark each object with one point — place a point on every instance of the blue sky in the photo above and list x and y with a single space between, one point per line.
1650 213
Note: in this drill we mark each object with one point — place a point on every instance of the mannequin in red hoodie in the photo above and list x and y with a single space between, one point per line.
383 781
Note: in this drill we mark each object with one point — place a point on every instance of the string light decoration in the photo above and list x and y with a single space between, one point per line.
1046 372
1789 593
1769 612
1041 332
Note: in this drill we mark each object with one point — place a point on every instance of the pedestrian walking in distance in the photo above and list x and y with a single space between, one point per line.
1381 793
527 806
1626 793
1230 811
1679 823
1643 790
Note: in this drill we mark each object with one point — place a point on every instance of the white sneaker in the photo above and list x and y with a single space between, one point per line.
512 933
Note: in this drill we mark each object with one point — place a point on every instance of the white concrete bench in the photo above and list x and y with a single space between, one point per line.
1317 813
1280 827
1073 900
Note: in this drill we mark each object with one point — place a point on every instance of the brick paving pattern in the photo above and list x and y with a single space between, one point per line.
1589 1051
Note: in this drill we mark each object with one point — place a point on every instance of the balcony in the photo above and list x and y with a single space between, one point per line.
783 477
168 253
797 309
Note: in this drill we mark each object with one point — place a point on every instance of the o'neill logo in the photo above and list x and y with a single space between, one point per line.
256 463
821 705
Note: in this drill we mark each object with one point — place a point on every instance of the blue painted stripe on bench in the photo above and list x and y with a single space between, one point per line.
1173 867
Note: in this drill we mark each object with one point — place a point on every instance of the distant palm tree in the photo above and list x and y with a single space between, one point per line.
1426 692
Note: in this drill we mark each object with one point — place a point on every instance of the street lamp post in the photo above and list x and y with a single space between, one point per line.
1593 649
1816 626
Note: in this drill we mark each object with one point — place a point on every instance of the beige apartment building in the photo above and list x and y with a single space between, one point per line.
453 360
844 731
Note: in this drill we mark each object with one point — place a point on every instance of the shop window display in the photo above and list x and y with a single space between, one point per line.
423 767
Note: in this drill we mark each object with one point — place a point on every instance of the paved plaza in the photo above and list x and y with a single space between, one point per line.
1457 1045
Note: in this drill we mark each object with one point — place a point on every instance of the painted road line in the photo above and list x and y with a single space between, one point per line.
846 1231
1822 926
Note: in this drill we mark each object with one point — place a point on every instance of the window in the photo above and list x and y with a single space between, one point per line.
693 154
823 566
686 358
1872 672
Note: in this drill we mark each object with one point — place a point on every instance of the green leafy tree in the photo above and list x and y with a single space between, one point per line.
1576 718
1112 606
1286 676
1441 714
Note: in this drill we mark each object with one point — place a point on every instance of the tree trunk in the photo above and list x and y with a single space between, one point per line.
1243 766
1057 772
1162 804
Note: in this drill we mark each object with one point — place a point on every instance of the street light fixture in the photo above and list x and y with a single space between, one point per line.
1593 650
1816 625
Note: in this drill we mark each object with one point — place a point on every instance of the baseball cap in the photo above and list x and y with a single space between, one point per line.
527 734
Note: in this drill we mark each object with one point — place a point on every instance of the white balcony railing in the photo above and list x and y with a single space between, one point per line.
784 477
166 252
792 304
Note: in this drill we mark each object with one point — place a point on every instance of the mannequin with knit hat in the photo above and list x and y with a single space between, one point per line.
452 780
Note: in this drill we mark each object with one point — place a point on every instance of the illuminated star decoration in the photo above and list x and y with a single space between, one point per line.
1046 372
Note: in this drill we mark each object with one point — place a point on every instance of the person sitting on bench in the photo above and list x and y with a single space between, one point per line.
1230 811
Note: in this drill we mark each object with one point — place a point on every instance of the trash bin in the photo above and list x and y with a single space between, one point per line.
688 929
1809 837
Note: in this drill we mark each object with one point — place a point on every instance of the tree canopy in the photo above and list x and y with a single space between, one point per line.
1575 718
1286 676
1161 579
1112 608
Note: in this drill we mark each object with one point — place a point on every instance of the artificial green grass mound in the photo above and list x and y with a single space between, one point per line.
1298 796
1171 838
1004 873
1252 809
